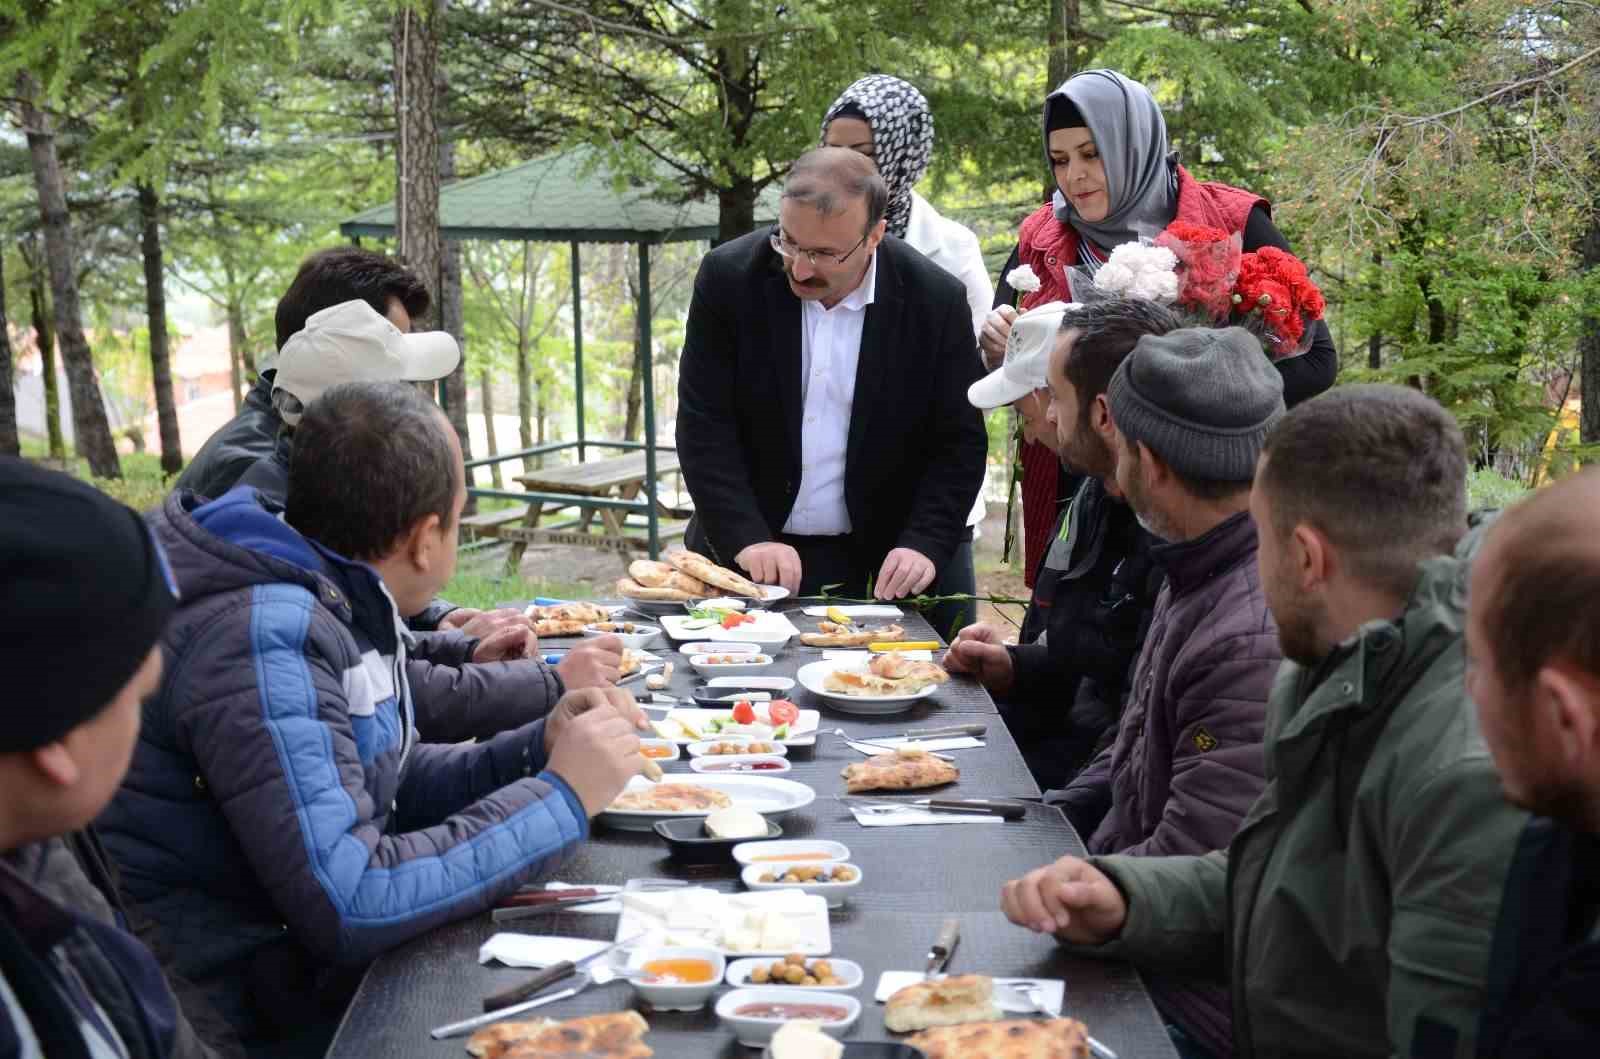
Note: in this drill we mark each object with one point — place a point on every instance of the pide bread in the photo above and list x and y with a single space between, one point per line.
628 588
942 1002
702 569
1010 1039
616 1035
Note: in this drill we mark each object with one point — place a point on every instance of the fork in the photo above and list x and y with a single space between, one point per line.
1031 992
842 734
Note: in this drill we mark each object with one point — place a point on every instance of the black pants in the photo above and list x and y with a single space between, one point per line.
830 562
959 576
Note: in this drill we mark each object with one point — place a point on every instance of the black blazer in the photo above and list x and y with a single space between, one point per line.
916 449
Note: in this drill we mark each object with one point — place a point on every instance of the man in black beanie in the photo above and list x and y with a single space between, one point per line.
73 559
1191 409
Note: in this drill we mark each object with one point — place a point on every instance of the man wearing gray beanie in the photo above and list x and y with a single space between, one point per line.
1191 409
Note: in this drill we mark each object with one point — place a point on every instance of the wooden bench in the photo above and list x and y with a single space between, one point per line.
616 477
489 523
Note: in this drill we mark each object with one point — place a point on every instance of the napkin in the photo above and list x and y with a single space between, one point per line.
910 817
865 610
1052 991
536 950
959 742
866 656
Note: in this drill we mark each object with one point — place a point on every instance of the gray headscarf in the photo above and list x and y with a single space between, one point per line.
1131 136
902 136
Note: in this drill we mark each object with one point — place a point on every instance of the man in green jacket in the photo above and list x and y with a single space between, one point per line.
1353 913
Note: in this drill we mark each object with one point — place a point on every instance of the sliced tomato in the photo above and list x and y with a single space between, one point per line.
744 713
782 712
734 619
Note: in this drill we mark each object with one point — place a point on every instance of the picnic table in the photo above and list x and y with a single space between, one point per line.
913 878
615 478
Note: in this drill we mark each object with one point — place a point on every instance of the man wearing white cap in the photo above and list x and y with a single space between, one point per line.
1061 686
467 686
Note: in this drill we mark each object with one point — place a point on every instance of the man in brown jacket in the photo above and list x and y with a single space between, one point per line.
1191 410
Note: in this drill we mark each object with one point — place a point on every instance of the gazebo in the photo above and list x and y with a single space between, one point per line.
572 197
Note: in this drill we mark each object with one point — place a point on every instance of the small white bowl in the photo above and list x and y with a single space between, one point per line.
848 971
746 664
703 747
736 603
711 647
747 852
641 637
683 996
834 893
724 764
755 1031
665 743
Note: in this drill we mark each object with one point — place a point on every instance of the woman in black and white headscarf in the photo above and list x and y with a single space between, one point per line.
888 120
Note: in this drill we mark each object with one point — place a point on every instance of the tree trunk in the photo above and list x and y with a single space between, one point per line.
237 342
155 306
487 389
1589 341
1061 39
524 366
44 335
635 398
736 211
450 296
93 432
416 62
10 442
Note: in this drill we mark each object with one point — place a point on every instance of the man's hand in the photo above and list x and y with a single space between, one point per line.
978 650
1071 899
996 330
575 704
481 623
595 663
506 643
596 753
772 563
905 572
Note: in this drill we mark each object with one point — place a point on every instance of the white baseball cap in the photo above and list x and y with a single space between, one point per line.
1027 363
352 342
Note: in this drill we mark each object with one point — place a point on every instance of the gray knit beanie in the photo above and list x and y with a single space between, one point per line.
1203 399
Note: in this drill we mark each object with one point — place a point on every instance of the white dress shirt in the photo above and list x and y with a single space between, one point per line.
830 349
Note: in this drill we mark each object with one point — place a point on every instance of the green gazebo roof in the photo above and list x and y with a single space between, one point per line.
563 197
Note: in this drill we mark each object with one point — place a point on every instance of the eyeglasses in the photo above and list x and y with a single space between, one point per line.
789 251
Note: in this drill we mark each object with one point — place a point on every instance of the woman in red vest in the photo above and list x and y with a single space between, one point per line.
1116 182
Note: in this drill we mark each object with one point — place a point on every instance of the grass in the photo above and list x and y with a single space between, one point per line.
484 590
142 485
1489 489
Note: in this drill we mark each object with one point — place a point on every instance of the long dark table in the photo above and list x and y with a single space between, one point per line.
914 877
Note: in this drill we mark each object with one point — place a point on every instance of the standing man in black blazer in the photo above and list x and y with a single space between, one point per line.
823 426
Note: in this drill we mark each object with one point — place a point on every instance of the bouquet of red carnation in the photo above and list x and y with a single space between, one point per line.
1208 266
1275 292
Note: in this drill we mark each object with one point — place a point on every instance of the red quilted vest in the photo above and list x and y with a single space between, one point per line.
1051 248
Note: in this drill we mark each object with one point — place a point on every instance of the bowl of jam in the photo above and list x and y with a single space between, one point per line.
676 979
771 764
755 1013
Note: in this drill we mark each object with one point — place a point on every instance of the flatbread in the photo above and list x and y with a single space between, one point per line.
886 674
615 1035
671 798
582 613
907 769
831 634
698 566
628 588
942 1002
631 662
557 627
652 574
1008 1039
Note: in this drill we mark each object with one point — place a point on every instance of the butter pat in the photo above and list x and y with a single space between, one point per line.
803 1040
736 822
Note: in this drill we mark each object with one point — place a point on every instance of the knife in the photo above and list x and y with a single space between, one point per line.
554 973
974 730
453 1029
1003 808
943 947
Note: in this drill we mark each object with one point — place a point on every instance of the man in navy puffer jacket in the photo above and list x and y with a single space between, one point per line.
280 820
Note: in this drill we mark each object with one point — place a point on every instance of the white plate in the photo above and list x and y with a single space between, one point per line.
637 641
655 608
770 797
753 1033
832 892
812 675
769 629
718 764
849 971
648 914
1005 998
749 666
703 747
752 683
700 647
747 852
802 733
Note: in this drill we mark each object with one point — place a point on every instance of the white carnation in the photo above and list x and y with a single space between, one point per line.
1023 279
1138 270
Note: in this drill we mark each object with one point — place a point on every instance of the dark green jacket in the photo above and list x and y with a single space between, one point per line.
1353 913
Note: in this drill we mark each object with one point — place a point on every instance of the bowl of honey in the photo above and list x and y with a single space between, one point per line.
676 979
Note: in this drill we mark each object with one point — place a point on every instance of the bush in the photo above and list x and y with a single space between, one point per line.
1490 489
